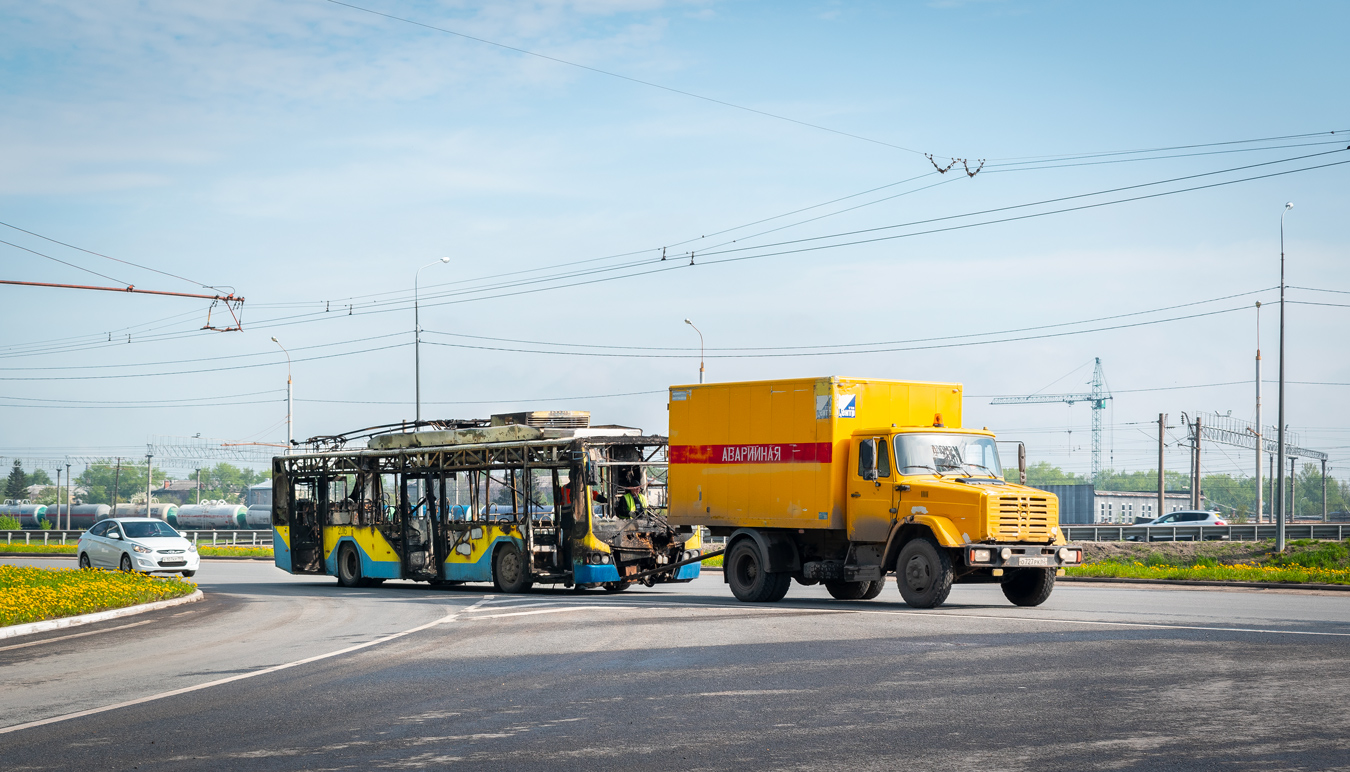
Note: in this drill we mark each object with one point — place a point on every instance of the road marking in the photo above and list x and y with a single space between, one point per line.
452 616
551 611
75 635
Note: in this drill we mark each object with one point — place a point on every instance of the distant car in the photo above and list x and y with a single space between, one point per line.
141 544
1187 518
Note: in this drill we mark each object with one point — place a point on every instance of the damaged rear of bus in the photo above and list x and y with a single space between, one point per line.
499 501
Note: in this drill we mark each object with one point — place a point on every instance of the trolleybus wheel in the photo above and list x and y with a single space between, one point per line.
1028 586
349 567
750 583
616 586
509 572
924 573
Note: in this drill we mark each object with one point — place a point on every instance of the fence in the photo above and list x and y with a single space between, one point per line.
1326 531
217 538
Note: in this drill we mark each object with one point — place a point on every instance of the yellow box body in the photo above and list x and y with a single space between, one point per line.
773 454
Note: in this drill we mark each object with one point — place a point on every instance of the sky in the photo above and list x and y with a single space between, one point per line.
311 157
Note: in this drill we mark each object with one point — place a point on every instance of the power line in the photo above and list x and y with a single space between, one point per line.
63 262
194 372
628 78
106 257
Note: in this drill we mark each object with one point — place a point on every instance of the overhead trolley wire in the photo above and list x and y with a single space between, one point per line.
628 78
106 257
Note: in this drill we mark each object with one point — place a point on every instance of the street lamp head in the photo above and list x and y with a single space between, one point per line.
446 259
1289 205
686 321
274 339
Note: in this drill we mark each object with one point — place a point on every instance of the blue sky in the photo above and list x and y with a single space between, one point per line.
307 153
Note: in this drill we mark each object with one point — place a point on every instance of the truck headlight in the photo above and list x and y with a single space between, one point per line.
981 556
1067 555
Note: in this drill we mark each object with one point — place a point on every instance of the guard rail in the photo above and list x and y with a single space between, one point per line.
1325 531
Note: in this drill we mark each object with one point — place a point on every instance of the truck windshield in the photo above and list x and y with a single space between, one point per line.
947 454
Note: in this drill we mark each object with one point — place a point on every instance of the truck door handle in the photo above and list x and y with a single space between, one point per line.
856 495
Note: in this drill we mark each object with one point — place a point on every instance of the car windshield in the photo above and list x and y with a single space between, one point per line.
148 530
941 453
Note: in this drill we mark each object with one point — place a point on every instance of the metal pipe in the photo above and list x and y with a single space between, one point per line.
1280 514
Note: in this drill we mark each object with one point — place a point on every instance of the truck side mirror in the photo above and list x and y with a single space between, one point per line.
867 459
1022 462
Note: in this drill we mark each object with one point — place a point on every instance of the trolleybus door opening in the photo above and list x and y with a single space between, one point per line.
307 501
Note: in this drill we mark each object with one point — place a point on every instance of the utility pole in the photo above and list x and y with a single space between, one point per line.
1162 480
1324 490
1293 492
59 490
290 432
69 496
1195 472
117 479
199 479
149 475
1260 440
1281 515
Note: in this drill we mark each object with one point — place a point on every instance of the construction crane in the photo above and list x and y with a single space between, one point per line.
1097 397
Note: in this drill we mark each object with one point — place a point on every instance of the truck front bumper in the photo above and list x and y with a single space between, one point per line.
1021 556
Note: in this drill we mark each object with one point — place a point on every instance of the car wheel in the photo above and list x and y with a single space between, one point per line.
924 573
349 567
1028 586
84 561
509 572
126 563
189 574
750 583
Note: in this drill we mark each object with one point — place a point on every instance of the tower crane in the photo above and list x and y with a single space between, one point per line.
1097 397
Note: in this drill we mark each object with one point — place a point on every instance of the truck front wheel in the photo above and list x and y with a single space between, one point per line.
1028 586
924 573
750 583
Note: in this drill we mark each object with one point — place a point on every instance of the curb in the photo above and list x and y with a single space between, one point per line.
1207 583
99 616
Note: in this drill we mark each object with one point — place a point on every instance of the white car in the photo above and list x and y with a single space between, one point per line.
137 544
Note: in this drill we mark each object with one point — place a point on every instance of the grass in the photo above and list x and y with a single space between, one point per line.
1291 572
713 562
35 594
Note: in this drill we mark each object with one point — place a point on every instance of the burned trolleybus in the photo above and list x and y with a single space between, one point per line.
507 503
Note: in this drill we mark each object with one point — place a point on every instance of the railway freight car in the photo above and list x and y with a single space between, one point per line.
31 516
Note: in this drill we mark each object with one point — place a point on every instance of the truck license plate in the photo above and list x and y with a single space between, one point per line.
1034 561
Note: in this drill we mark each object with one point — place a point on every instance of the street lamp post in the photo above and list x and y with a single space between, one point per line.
700 349
417 340
1280 514
290 431
1260 440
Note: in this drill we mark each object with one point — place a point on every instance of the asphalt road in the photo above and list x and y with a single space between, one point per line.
683 677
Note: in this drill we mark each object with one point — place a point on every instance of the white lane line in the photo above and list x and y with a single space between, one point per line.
529 605
550 611
75 635
452 616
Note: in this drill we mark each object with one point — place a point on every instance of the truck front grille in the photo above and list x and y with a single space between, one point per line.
1021 518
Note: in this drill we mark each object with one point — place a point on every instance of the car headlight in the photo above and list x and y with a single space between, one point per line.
192 547
141 549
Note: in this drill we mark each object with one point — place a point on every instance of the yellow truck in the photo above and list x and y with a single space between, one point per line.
842 480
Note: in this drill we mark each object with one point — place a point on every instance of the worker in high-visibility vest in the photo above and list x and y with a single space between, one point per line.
632 504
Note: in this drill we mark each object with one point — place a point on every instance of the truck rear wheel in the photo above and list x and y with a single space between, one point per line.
750 583
1028 586
843 590
924 573
874 589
